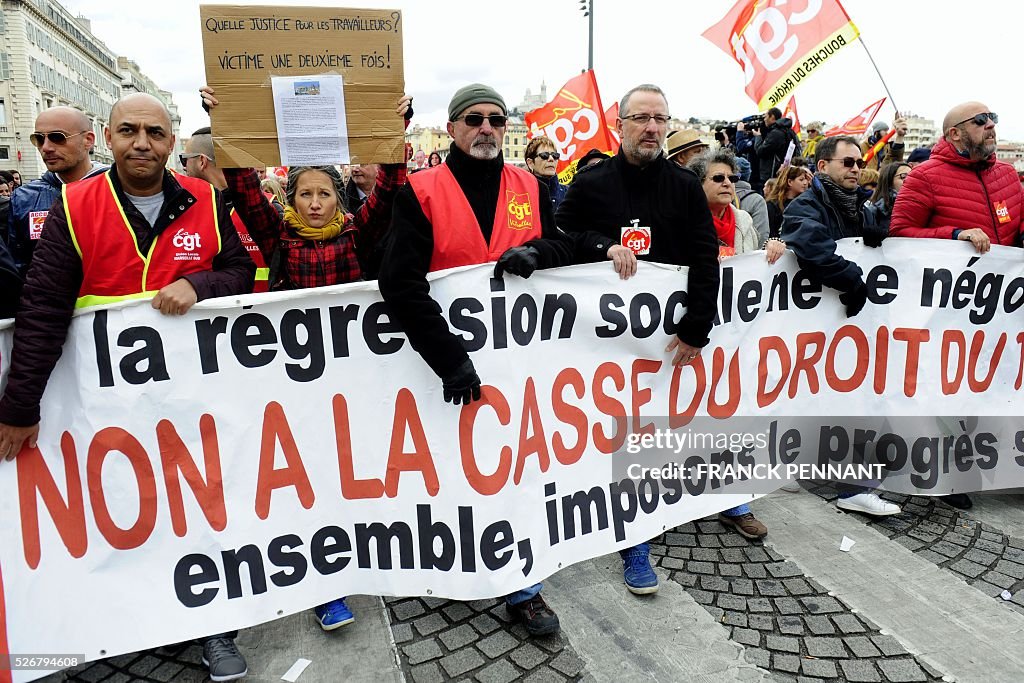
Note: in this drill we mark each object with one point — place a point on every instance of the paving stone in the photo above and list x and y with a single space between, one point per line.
746 636
742 586
673 564
756 554
759 605
901 670
404 611
755 571
961 539
499 672
824 647
700 567
402 633
1010 569
730 570
773 555
788 606
921 536
500 613
688 540
761 622
702 597
735 619
427 673
528 656
947 549
788 663
819 626
991 536
716 612
819 668
933 557
968 568
422 651
848 623
980 556
783 644
709 527
1011 554
434 603
678 553
481 605
910 543
987 588
484 623
859 672
861 647
783 569
458 637
704 554
733 555
461 662
888 645
568 663
432 623
709 541
821 604
731 540
143 666
714 583
791 626
771 588
686 580
497 644
457 611
727 601
99 671
797 586
757 657
553 643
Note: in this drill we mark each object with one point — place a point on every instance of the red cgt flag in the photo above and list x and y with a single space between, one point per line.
778 43
858 125
610 115
791 114
575 122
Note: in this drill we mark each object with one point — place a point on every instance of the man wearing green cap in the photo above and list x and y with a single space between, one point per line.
471 209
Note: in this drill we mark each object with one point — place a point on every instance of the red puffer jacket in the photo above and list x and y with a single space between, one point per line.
948 193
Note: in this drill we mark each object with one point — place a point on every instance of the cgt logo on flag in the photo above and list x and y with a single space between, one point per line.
778 43
520 213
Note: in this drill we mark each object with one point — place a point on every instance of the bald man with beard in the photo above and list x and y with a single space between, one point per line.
89 253
64 138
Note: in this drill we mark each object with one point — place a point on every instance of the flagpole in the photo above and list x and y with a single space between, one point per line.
884 84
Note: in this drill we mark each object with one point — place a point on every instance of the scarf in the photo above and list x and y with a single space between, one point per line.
847 202
332 229
726 226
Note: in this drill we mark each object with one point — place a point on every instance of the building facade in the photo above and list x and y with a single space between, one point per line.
50 58
921 132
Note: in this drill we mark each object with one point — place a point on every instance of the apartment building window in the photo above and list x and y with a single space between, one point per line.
5 71
5 153
3 112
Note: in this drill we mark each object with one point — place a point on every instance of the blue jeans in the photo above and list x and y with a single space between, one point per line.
740 509
523 595
643 547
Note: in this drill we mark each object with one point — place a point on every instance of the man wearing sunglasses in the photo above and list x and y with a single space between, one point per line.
64 138
460 213
962 191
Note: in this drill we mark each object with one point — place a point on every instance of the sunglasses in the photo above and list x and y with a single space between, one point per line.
849 162
183 158
477 120
549 155
980 119
720 178
56 137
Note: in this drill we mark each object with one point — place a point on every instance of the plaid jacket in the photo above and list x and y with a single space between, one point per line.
315 263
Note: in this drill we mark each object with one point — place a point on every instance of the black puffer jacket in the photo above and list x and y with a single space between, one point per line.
772 145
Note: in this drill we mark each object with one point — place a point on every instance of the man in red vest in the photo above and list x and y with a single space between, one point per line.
89 253
474 208
198 162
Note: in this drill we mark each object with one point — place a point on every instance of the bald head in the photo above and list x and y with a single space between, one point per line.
68 159
67 119
201 142
961 112
140 102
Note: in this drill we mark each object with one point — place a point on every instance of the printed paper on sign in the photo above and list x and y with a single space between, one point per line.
311 125
35 223
778 44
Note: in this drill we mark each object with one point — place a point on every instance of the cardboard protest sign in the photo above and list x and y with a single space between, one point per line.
245 46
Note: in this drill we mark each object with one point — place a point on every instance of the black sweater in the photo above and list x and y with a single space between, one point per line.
406 262
604 198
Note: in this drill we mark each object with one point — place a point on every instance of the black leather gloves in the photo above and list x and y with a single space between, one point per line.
462 385
521 261
855 299
873 237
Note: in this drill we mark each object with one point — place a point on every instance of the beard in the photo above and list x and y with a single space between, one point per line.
983 149
484 148
640 155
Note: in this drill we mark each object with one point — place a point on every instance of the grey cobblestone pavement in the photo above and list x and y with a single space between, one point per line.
977 553
443 640
788 623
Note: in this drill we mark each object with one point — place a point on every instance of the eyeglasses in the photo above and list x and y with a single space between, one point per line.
902 176
549 155
720 178
849 162
980 119
644 119
183 158
57 137
477 120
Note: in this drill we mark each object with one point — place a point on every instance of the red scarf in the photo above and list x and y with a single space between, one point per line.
726 226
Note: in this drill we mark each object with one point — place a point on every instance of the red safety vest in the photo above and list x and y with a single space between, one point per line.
262 271
113 268
458 239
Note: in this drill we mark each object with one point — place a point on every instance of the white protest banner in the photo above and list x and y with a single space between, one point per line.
264 454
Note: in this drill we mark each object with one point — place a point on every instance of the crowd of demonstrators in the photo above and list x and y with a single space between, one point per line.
639 186
815 132
683 145
361 180
772 144
434 159
64 138
890 180
274 193
892 150
542 161
78 261
750 201
793 181
455 215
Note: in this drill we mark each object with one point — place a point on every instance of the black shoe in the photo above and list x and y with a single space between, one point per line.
960 501
223 660
536 616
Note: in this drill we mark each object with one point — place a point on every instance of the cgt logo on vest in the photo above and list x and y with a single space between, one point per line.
187 241
520 213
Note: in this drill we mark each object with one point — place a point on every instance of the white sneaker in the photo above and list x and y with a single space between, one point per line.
869 504
791 486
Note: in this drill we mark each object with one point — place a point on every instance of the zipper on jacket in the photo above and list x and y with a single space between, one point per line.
991 211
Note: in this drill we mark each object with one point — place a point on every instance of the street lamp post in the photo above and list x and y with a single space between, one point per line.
587 7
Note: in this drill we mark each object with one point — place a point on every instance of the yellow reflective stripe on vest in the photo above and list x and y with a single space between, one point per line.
95 300
262 274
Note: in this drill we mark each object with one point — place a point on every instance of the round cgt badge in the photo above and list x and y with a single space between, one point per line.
637 239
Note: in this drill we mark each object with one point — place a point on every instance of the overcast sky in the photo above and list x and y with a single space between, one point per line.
931 56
